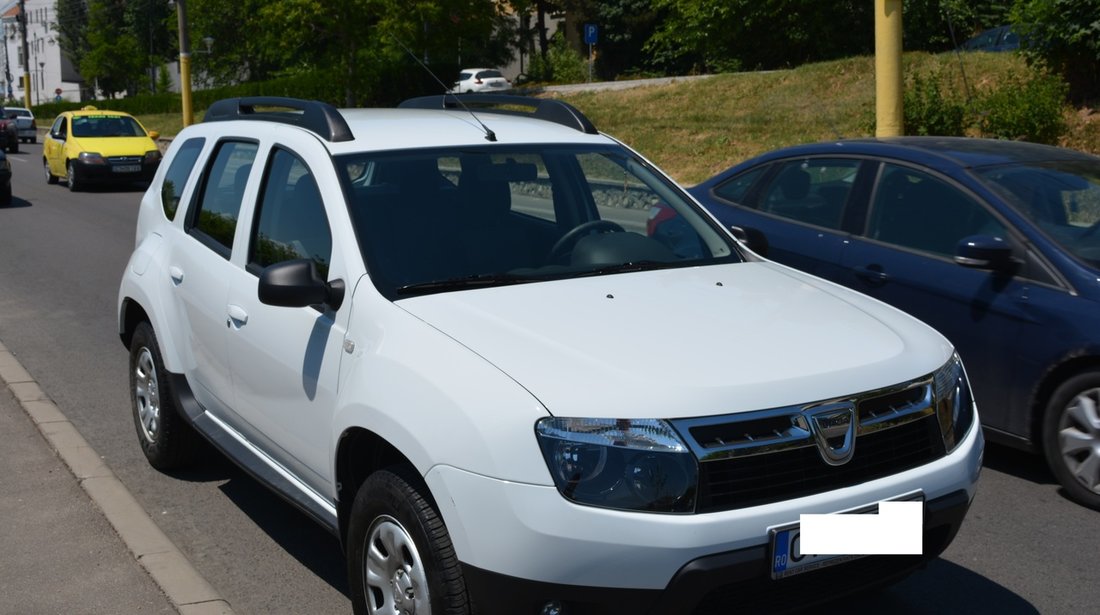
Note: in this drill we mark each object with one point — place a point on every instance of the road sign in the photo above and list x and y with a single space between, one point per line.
591 33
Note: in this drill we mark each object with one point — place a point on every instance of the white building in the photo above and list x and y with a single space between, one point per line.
51 72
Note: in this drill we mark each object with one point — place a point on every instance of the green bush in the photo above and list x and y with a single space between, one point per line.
928 111
562 65
1026 107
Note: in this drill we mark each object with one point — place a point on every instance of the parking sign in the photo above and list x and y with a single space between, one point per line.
591 33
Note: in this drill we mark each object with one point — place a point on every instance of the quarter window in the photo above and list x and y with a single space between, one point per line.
913 209
176 177
215 217
291 221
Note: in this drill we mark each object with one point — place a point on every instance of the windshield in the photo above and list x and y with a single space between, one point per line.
439 220
1061 198
106 126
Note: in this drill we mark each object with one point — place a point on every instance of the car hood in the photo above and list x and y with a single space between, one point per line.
686 342
114 146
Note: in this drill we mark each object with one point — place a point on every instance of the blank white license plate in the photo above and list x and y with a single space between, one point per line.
127 168
787 558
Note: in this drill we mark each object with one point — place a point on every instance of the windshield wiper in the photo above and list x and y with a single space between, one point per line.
645 265
481 280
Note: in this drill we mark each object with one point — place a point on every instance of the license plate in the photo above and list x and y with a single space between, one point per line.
787 558
127 168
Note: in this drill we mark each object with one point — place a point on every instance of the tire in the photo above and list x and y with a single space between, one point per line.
5 195
1071 437
50 177
70 178
166 439
34 139
413 560
14 147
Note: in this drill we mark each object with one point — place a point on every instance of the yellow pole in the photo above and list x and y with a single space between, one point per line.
185 62
27 90
185 88
888 84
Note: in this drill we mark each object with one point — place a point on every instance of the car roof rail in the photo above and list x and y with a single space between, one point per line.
315 116
542 108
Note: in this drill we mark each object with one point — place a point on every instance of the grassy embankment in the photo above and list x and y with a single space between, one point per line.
695 129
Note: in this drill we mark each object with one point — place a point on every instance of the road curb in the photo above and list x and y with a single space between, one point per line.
169 568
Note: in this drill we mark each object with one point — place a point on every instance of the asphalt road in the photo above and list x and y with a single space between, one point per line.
1023 549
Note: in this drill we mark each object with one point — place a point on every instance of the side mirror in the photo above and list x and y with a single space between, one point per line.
755 239
984 252
295 283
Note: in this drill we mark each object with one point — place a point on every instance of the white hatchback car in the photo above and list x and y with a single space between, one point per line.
450 335
480 80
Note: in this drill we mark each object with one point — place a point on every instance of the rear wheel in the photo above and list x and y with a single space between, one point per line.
5 195
166 439
400 557
1071 437
13 147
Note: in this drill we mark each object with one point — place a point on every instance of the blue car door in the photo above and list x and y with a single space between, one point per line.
905 258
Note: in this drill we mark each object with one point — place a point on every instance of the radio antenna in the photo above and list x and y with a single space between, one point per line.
489 134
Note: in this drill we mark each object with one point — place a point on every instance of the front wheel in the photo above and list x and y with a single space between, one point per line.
400 557
1071 437
50 177
70 178
166 439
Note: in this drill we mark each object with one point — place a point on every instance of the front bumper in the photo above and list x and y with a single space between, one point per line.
110 172
523 545
734 581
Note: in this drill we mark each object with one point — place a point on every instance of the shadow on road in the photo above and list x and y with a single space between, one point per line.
1021 464
298 535
16 203
941 587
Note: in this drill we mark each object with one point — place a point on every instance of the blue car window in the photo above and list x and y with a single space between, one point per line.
735 190
913 209
812 191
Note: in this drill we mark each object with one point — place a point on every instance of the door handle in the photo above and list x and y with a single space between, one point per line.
872 274
237 317
176 274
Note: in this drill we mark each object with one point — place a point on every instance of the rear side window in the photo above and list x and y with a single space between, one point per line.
178 172
291 222
812 191
214 219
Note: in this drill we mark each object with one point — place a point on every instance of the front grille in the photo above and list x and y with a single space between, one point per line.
774 455
760 479
124 159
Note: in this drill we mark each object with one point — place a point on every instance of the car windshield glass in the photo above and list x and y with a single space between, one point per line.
440 220
1061 198
106 126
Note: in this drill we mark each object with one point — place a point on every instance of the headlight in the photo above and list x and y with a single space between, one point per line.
619 463
152 155
91 158
954 403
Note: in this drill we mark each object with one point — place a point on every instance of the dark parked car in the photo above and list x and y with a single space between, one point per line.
1001 38
994 243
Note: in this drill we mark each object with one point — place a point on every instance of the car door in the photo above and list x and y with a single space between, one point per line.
800 205
905 258
285 361
199 270
53 146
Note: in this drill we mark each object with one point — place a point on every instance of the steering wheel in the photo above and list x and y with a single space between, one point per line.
565 245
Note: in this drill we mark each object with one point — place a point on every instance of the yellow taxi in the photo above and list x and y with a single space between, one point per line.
92 145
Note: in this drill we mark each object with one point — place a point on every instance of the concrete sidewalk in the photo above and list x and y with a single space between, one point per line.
72 538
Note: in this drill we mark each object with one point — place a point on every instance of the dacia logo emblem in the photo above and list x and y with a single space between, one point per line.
834 430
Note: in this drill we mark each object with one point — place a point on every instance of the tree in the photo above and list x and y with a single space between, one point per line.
72 28
114 61
1063 35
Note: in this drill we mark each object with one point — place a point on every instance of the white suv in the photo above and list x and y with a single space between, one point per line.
456 338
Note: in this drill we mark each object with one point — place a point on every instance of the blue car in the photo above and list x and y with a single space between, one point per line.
994 243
